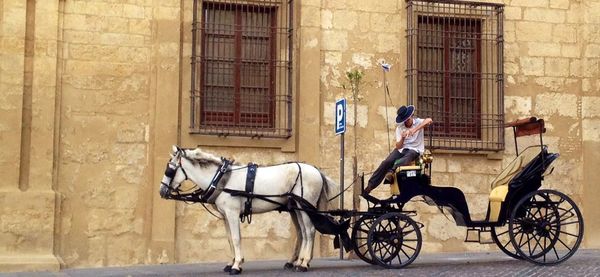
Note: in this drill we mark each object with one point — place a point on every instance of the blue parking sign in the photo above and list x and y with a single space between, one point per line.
340 116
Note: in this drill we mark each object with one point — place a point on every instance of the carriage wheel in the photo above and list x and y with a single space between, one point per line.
502 239
546 227
360 234
394 240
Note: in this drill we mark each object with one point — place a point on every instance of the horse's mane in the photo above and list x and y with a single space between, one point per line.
204 159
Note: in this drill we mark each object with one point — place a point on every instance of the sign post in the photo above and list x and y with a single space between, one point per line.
340 129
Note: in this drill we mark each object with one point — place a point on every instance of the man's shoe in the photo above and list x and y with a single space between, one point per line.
389 178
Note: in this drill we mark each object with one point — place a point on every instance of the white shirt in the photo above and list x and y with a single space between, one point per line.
415 142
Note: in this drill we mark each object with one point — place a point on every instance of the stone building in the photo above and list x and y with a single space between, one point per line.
93 93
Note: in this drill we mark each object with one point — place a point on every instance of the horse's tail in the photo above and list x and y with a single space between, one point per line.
329 188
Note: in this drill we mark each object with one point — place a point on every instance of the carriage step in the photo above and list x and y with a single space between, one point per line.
478 231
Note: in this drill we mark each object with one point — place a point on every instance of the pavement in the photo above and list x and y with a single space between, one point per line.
583 263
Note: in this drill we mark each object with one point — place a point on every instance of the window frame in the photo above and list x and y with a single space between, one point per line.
244 115
483 131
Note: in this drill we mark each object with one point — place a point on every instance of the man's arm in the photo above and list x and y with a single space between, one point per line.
423 124
400 143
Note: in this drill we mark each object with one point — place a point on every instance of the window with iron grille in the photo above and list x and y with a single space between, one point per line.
454 72
241 68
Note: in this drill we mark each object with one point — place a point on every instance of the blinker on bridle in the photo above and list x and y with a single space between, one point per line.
172 168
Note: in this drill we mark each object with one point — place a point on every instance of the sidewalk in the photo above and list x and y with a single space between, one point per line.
583 263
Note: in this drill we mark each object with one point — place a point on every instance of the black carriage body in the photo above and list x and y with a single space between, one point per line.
413 183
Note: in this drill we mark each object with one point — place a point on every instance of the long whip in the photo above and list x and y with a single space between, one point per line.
386 92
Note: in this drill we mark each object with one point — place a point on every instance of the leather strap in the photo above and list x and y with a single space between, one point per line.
250 177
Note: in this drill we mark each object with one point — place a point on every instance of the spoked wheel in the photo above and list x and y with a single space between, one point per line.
394 240
546 227
501 237
360 234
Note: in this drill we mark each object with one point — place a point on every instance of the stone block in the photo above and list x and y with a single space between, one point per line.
121 39
335 40
439 164
511 68
591 11
472 182
531 3
126 197
363 19
591 130
592 51
591 68
326 19
549 104
570 50
454 165
544 15
310 16
590 106
554 84
345 20
512 13
533 31
133 11
591 34
532 66
388 43
543 49
517 105
443 229
564 33
560 4
363 60
557 67
84 37
385 23
167 13
140 26
129 153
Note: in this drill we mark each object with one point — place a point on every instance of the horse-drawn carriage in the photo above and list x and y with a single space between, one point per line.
541 226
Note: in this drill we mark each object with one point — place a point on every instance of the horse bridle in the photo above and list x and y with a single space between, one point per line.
205 196
170 172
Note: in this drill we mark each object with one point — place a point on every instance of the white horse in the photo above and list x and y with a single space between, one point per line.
297 178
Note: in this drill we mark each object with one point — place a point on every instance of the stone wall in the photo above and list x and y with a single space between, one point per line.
93 94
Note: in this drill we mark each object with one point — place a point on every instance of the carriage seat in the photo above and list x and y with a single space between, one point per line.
500 184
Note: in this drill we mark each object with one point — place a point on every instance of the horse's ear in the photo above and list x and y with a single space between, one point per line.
174 150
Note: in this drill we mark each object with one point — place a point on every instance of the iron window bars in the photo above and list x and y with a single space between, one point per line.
455 71
242 68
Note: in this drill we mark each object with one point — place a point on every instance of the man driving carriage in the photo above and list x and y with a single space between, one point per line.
410 143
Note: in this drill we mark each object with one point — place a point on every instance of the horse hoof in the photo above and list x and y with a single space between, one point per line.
235 271
300 268
227 268
288 266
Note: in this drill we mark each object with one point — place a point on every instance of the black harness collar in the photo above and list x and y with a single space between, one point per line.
208 195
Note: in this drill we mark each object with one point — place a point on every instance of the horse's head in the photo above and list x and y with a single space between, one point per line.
175 174
188 164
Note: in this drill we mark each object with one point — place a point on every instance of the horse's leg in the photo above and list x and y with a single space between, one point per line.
309 238
234 234
295 254
303 243
232 251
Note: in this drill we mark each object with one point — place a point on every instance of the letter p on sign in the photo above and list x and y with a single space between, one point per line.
340 116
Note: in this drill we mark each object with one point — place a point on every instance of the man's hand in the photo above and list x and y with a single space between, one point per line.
408 133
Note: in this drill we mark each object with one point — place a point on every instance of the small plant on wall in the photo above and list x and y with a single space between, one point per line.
355 79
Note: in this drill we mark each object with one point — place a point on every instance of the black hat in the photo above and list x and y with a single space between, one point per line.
404 113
